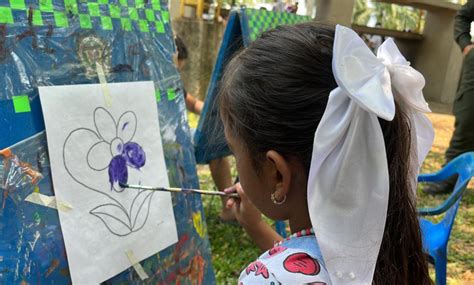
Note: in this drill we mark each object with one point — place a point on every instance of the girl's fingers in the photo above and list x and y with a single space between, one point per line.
236 188
235 203
240 191
230 190
229 203
236 208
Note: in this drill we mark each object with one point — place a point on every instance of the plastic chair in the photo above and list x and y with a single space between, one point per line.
436 236
280 228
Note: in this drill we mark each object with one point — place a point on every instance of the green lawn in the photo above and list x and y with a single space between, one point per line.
232 249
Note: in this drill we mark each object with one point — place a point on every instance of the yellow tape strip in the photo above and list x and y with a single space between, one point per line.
63 206
103 84
48 201
136 265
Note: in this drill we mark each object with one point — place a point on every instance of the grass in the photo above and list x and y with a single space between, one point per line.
232 249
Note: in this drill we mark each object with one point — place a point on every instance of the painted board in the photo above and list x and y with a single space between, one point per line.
50 43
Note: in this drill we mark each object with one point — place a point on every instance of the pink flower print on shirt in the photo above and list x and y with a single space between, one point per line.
301 263
276 250
259 269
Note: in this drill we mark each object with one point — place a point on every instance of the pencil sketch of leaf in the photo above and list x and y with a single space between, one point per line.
114 218
140 209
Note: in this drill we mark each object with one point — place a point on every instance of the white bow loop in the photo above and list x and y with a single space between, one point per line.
407 81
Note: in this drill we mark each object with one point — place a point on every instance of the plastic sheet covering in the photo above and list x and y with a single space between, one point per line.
56 42
243 27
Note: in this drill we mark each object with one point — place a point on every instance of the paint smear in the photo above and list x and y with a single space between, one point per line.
33 243
124 126
6 153
198 225
25 167
54 264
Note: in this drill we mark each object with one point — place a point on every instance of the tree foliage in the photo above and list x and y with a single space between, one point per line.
390 16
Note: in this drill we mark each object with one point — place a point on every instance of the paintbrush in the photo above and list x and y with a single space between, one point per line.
183 190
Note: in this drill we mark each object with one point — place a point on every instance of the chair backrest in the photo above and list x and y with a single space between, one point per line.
463 165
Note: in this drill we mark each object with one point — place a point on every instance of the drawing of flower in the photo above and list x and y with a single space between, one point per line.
116 138
112 154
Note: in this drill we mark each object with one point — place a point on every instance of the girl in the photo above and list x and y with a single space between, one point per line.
330 138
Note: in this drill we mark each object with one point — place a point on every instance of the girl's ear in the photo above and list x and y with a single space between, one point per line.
281 171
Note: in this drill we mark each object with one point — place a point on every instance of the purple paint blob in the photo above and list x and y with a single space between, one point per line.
134 155
118 171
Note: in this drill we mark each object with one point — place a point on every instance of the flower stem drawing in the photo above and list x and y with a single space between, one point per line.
114 153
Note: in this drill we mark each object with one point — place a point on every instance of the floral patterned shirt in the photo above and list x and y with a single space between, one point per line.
295 260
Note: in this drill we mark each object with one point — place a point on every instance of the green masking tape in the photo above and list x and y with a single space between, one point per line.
142 14
157 96
61 19
171 94
18 4
6 16
21 104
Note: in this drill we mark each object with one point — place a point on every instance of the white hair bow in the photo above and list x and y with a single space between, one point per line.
348 185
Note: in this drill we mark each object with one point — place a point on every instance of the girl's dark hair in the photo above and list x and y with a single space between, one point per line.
272 97
181 47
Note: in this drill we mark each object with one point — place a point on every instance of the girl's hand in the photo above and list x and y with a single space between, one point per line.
245 212
251 219
467 49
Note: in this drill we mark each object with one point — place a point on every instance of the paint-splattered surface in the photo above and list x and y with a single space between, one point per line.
57 42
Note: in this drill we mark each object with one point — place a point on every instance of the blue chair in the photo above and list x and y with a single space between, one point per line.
280 227
436 236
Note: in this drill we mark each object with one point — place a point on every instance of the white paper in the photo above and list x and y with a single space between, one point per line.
91 148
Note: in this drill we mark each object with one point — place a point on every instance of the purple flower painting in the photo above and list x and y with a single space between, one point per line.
116 137
116 154
132 156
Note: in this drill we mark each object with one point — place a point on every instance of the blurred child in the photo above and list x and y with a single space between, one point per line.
220 168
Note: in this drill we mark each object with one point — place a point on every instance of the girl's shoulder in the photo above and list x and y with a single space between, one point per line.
294 261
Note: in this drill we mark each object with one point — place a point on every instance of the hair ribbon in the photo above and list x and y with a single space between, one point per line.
348 185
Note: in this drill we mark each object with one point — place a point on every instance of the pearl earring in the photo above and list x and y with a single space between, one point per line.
275 201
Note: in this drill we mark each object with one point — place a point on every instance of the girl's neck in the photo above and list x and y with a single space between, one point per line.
300 221
299 216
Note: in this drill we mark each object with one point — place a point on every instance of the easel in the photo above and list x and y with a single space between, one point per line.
56 42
